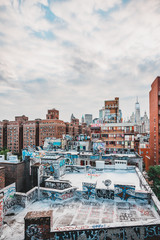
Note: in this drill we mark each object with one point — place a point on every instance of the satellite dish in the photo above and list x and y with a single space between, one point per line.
107 182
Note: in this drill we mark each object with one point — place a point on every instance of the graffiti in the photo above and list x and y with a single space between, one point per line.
62 163
58 185
9 200
105 194
69 228
48 169
123 233
36 155
32 230
31 196
90 175
88 190
1 211
127 216
67 195
57 196
124 192
51 195
145 212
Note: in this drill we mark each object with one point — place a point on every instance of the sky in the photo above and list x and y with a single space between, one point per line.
73 55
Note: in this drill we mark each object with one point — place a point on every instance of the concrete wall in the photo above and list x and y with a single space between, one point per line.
16 172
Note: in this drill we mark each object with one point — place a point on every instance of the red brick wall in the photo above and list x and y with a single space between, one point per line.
154 122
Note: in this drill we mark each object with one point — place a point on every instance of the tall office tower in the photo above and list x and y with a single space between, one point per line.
137 113
3 134
154 104
30 134
52 114
88 119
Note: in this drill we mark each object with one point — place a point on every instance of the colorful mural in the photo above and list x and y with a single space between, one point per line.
1 211
124 192
34 155
99 146
88 190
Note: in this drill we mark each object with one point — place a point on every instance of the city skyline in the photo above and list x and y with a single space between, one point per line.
73 56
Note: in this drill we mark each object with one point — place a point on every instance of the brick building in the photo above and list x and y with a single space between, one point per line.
3 134
144 151
69 129
154 102
51 128
30 134
15 136
110 113
118 137
22 118
52 114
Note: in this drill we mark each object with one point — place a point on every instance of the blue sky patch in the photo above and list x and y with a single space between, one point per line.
46 35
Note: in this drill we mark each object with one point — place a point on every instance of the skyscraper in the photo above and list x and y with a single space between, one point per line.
137 113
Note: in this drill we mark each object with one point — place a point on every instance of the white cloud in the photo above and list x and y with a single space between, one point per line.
80 55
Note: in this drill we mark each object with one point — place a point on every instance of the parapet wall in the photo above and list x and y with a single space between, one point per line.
38 226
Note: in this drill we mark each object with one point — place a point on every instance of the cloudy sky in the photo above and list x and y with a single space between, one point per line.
74 54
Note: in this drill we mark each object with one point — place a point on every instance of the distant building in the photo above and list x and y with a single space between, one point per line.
119 137
88 119
51 128
132 118
154 103
110 113
52 114
137 113
22 118
145 123
82 119
30 134
3 134
15 136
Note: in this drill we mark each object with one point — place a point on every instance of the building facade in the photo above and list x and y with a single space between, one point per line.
3 134
154 104
110 113
30 134
119 137
88 119
51 128
52 114
15 136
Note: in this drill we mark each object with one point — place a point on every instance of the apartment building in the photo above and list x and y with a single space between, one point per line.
110 113
31 133
52 114
154 103
51 128
15 136
119 137
3 134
